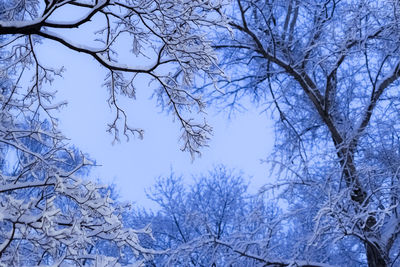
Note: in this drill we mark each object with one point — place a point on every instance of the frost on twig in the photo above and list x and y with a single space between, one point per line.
170 36
48 211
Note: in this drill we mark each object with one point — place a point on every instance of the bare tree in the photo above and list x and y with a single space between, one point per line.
329 72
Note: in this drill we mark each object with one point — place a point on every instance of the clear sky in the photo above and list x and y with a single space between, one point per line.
238 143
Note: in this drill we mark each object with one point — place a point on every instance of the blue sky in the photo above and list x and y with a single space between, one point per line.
239 143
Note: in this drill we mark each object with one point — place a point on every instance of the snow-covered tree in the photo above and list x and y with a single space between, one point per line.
328 71
167 37
49 214
213 222
216 222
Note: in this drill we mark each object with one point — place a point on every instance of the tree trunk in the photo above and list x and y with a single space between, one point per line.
375 256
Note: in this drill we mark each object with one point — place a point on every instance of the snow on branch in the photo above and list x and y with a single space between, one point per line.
170 35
